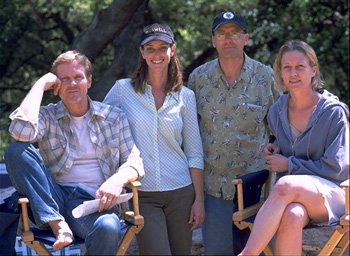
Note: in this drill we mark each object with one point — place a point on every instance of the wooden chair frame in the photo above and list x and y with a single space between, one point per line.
244 217
338 241
132 216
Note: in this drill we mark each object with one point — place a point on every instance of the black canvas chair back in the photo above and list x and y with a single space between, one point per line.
9 220
9 215
252 184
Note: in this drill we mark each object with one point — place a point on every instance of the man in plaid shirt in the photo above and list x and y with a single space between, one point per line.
86 151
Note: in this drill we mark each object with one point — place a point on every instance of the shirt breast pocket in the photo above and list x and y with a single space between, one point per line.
55 145
251 118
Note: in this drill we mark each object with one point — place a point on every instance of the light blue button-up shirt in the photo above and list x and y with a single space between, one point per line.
168 138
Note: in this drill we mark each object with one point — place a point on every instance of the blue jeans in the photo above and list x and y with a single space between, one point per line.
220 235
50 201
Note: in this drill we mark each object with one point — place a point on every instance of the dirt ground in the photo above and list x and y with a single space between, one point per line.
197 244
312 240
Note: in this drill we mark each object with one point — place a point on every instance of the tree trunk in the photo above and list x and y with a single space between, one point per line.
126 52
105 27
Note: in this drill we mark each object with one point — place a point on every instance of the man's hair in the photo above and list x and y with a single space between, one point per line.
70 56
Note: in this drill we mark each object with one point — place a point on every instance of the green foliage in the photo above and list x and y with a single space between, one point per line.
323 24
191 22
34 32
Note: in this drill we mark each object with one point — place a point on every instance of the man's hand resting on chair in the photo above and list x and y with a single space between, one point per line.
113 187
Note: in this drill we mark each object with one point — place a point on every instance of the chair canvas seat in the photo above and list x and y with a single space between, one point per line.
47 237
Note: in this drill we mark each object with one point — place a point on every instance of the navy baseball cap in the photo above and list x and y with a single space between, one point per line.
157 31
229 17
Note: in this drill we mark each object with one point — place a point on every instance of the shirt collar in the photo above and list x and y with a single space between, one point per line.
247 69
246 72
94 108
175 95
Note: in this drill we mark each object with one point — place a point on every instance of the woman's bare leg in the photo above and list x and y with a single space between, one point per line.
289 236
288 189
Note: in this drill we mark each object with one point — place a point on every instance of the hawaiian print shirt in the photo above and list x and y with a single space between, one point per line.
232 121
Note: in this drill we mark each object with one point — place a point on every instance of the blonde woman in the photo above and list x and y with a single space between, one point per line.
311 147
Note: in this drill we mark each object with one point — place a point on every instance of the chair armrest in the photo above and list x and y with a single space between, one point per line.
345 183
27 234
346 219
246 212
239 188
134 216
249 187
134 183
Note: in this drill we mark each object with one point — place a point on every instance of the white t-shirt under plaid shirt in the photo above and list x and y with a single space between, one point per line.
109 133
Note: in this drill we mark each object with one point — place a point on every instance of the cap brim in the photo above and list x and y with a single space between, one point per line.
163 38
226 22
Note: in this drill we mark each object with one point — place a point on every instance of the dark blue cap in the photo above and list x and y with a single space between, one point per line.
157 31
229 17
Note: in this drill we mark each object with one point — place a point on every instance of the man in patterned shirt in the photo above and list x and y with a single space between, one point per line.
234 93
86 152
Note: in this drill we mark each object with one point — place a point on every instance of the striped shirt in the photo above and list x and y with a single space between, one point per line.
168 138
109 133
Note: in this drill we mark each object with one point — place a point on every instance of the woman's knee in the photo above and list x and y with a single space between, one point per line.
294 216
285 187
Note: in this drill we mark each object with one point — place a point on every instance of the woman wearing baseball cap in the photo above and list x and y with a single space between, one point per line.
163 119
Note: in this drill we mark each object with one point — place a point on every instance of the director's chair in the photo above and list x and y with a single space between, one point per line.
338 242
252 190
249 188
37 239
